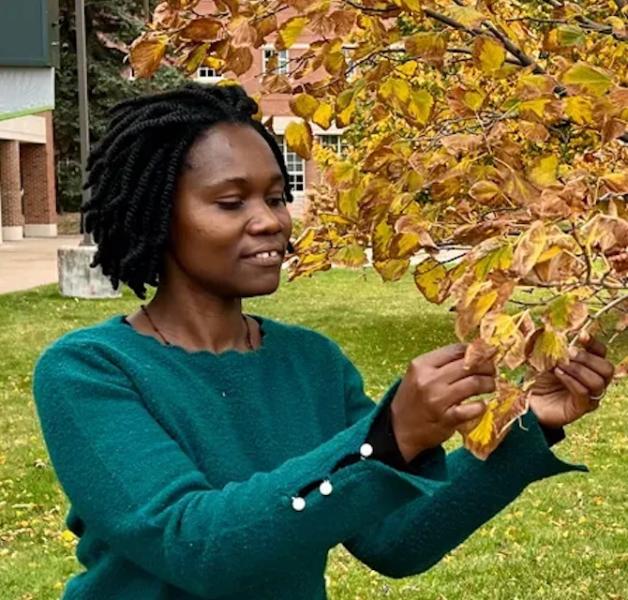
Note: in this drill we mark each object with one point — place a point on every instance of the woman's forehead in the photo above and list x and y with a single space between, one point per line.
232 148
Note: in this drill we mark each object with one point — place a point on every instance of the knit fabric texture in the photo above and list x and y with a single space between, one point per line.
182 468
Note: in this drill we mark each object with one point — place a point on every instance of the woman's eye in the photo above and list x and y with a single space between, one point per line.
278 200
230 205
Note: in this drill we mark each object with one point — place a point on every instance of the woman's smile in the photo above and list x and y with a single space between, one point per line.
265 259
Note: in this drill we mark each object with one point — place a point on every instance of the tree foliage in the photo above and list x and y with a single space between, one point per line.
110 26
493 130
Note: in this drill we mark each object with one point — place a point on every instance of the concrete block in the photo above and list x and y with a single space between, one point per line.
77 279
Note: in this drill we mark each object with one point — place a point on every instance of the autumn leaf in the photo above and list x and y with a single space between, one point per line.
592 79
432 280
548 348
323 115
304 105
544 172
298 136
488 53
202 30
430 47
482 435
289 32
146 54
529 248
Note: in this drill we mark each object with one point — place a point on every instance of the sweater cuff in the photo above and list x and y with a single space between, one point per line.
553 435
385 449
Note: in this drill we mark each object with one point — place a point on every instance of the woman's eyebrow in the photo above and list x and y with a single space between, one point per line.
241 181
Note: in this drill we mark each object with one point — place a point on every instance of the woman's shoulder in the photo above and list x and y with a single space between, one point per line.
96 334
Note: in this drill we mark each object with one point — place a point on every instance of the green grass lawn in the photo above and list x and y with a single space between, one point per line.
563 538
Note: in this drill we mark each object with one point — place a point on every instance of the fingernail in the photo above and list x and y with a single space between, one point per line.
573 352
559 371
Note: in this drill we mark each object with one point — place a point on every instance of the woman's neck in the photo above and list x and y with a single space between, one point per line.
197 321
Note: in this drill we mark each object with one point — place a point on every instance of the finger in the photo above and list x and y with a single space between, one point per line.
595 346
469 386
454 371
593 383
444 355
572 384
601 366
465 412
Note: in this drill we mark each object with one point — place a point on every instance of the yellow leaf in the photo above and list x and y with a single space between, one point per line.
483 191
322 115
408 68
420 106
544 172
567 313
334 63
290 31
488 53
466 15
498 259
432 279
146 54
392 269
579 109
304 105
593 79
298 137
409 5
473 99
349 256
549 348
484 434
348 202
395 88
529 249
535 106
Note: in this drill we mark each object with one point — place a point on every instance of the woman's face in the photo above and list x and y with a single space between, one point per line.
229 203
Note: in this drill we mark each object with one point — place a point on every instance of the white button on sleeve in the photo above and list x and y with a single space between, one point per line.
366 450
326 487
298 503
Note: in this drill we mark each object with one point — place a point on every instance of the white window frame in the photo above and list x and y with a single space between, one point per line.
283 65
207 78
339 144
297 178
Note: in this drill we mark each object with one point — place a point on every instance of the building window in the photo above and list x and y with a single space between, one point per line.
295 165
282 60
333 141
207 74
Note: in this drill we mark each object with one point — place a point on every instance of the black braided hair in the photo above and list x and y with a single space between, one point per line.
134 168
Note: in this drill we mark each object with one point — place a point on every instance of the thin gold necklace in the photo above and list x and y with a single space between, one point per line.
150 320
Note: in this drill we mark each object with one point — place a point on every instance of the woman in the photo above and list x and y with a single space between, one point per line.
211 454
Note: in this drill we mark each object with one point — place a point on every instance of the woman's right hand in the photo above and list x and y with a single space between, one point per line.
426 409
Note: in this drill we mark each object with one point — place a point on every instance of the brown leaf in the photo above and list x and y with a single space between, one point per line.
147 53
202 30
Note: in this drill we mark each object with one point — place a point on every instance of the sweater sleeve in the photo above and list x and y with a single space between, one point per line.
134 488
417 535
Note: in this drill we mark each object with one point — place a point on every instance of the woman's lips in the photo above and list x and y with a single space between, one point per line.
264 261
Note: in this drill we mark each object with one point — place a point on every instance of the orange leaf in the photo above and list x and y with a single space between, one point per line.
146 54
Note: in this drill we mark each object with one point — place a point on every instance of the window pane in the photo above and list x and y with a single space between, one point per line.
295 165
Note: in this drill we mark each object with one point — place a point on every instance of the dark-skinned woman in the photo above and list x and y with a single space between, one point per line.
208 453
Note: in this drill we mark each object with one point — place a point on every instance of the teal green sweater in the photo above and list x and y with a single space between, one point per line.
182 468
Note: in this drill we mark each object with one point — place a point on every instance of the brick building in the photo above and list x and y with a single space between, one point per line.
303 174
28 54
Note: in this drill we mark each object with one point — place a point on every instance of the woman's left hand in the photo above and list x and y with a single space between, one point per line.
567 392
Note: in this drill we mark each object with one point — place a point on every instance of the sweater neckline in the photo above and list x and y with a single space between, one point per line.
232 353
